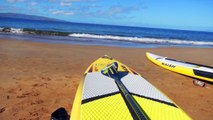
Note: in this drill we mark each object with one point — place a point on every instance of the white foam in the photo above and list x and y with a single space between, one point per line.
17 30
142 40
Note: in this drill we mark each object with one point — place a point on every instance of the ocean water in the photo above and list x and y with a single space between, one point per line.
105 35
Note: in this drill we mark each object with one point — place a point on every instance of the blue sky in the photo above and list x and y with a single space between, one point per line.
174 14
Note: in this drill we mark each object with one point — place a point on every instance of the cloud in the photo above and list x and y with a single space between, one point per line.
13 1
65 3
78 0
85 8
113 11
120 10
69 2
34 3
61 12
6 8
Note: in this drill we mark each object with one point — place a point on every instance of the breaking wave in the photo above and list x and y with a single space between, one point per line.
141 40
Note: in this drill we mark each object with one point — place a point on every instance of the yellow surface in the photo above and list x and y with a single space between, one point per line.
77 102
159 111
179 69
108 108
114 107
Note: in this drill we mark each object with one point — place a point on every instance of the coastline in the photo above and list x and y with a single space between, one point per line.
107 39
36 78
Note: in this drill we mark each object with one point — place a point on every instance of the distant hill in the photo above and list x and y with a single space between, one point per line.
27 17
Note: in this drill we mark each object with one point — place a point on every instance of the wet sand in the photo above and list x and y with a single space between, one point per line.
37 78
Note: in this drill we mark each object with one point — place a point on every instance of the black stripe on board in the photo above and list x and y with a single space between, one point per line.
203 73
190 63
156 100
98 97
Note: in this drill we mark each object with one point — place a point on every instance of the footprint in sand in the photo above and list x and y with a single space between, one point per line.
16 78
12 90
2 109
25 94
46 78
68 76
40 85
37 102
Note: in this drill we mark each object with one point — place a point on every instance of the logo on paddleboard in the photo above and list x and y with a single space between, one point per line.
169 65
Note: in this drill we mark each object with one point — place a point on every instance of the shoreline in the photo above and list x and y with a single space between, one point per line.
36 77
110 40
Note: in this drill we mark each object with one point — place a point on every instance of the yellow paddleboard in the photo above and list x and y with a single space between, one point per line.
190 69
112 91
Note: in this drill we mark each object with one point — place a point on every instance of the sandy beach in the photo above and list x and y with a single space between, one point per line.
37 78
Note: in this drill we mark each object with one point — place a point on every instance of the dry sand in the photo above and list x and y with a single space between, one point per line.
37 78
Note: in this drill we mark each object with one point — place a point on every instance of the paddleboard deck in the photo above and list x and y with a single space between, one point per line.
113 91
186 68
